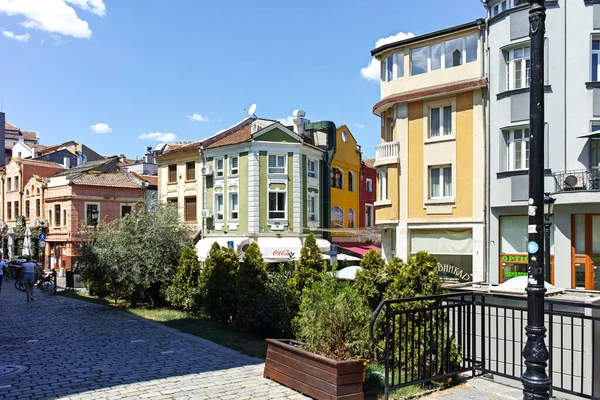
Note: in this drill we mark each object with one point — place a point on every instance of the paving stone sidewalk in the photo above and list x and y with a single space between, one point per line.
79 350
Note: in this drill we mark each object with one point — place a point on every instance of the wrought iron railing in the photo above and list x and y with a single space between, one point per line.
578 180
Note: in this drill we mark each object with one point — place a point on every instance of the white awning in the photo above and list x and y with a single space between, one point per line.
203 246
341 257
324 245
279 249
587 135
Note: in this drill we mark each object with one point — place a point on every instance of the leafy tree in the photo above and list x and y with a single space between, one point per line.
134 258
417 278
309 265
251 279
333 319
187 279
218 283
371 282
278 305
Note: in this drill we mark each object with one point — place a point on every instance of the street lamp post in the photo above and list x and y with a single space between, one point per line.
548 213
536 383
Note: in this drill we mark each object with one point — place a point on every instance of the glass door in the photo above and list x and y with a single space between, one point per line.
585 244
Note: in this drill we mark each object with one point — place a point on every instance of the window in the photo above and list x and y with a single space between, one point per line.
57 215
17 183
173 200
312 169
9 210
220 166
125 209
383 186
448 54
440 121
27 205
595 153
392 67
517 141
369 216
389 132
190 171
64 221
369 185
337 178
440 182
276 205
172 174
89 209
38 208
190 208
17 210
276 164
49 217
351 218
233 206
219 206
233 165
350 181
504 5
312 208
8 184
595 57
518 68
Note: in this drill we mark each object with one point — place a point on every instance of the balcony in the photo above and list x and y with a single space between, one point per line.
387 153
585 180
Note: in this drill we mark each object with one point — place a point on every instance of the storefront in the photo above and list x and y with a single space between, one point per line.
585 245
453 249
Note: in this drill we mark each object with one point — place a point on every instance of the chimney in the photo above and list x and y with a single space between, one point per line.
149 157
2 139
66 162
122 158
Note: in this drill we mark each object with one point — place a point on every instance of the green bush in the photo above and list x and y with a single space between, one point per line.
373 280
309 265
278 305
186 281
218 283
251 280
333 320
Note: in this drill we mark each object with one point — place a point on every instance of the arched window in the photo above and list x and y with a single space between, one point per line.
337 217
351 181
27 192
38 191
351 218
337 178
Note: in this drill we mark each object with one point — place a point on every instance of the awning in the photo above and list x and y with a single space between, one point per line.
589 134
341 257
279 249
203 246
324 245
358 248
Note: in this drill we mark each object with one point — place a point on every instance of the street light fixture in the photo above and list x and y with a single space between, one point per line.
548 214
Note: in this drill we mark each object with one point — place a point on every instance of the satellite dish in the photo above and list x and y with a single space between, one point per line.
252 109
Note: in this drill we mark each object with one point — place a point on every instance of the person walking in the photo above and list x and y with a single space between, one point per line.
28 277
2 264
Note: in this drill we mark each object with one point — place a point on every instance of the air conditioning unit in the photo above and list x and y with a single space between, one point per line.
206 170
207 213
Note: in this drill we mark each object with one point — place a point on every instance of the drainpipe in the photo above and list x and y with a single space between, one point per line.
487 113
330 128
203 192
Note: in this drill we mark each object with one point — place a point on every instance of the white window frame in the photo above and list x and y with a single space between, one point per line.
443 55
441 132
369 185
85 205
313 215
440 170
351 182
277 168
314 171
597 53
511 63
231 208
511 148
392 67
277 192
383 190
216 207
234 171
219 172
369 222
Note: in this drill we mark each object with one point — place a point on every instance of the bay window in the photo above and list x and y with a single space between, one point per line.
392 67
444 55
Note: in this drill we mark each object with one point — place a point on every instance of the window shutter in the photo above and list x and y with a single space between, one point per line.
190 209
172 173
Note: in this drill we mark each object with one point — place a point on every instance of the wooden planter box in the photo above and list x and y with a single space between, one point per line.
314 375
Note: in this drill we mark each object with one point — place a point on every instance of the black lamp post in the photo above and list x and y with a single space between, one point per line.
548 213
536 383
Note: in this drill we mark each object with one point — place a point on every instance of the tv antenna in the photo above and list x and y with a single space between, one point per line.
252 110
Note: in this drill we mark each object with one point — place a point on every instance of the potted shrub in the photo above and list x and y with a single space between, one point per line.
328 362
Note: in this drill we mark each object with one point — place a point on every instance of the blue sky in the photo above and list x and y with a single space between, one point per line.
147 66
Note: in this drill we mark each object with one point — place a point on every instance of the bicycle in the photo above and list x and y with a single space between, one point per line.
44 282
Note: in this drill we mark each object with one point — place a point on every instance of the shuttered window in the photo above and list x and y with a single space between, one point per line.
190 171
172 173
190 209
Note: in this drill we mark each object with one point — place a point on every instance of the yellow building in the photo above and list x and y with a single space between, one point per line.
431 162
345 185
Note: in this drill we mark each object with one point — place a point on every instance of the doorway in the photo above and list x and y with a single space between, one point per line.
585 251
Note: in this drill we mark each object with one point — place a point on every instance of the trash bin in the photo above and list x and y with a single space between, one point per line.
70 279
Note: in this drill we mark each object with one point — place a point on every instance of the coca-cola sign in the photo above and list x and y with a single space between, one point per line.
281 253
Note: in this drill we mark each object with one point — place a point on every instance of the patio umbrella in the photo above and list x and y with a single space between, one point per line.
11 242
27 243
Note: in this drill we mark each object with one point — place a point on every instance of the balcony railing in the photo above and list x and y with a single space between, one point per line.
387 153
577 181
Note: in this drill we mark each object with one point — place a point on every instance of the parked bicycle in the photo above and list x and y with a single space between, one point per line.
44 282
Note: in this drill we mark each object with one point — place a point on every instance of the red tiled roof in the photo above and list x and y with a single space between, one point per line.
183 147
106 179
244 134
30 136
10 127
151 179
38 163
369 162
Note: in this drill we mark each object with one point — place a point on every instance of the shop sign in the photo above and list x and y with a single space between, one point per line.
515 259
454 270
513 274
596 259
283 253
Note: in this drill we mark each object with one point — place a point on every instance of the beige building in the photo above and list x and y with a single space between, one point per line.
431 162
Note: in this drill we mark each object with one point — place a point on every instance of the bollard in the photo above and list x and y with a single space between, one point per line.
55 278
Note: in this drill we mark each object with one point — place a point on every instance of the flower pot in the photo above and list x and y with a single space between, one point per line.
314 375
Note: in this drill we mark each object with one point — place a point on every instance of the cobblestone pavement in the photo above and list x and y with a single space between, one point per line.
478 389
79 350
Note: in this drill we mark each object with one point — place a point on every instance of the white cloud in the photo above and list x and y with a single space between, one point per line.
100 128
159 136
197 117
371 72
54 16
287 121
360 126
12 35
